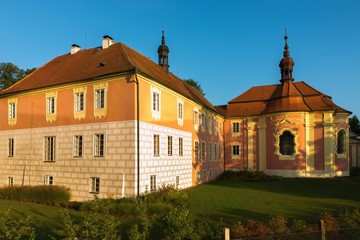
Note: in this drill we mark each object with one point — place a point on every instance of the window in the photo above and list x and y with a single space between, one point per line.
100 91
99 145
196 151
50 149
235 151
210 174
12 110
180 109
152 183
156 102
181 147
219 152
177 181
10 181
215 126
287 143
235 127
210 152
215 152
203 151
170 146
48 180
210 124
94 185
204 174
203 120
196 117
341 142
156 145
10 147
198 176
78 146
79 102
216 172
50 105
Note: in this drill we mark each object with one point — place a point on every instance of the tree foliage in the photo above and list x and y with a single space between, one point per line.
10 74
195 85
354 124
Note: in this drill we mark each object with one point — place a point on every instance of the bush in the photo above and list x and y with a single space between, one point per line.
168 194
331 223
11 228
50 195
350 219
355 171
249 176
277 225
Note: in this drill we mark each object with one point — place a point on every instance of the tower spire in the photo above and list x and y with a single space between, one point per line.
287 63
163 53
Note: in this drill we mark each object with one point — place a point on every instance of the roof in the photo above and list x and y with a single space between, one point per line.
288 96
93 63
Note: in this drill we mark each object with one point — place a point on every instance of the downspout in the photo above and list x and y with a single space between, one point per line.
224 143
137 132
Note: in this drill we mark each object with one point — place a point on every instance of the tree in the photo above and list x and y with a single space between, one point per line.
10 74
195 85
354 124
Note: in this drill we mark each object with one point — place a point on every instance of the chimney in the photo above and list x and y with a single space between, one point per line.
74 49
107 41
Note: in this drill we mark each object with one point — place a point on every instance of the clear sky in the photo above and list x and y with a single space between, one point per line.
227 46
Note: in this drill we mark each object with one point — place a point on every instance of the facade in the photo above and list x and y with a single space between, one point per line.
108 121
288 129
354 150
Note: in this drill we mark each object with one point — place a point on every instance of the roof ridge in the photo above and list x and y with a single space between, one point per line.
302 96
127 55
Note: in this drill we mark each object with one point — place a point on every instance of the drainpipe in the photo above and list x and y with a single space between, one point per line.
224 143
137 132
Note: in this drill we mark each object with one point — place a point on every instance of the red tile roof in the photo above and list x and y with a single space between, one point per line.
89 64
286 97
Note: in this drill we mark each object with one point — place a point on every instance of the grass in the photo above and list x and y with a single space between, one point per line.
232 200
45 219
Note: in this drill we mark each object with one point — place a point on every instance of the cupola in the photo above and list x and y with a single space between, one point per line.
286 64
163 52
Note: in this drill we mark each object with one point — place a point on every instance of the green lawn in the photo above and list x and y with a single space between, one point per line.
305 199
46 219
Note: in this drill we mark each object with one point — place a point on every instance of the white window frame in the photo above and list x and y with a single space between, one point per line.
79 101
210 152
155 103
181 146
50 149
235 128
153 184
11 147
170 145
177 181
235 150
203 151
12 111
180 112
10 181
100 99
78 146
99 144
95 185
156 145
196 151
48 180
51 105
215 152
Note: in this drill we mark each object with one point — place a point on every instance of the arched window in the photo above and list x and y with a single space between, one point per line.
341 142
287 143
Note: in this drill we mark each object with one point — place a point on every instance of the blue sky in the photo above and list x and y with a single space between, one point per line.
227 46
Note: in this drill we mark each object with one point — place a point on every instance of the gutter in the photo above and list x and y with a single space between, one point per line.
137 131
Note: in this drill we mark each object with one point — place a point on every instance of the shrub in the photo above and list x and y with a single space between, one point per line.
50 195
299 225
255 229
238 230
277 225
350 219
168 194
11 228
355 171
331 223
178 224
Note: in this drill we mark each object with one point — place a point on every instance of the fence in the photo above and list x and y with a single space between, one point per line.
322 234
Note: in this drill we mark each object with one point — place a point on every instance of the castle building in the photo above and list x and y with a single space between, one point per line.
108 121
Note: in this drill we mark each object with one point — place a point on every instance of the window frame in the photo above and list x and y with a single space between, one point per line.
100 91
342 143
11 147
99 145
169 145
78 146
210 153
51 106
50 149
153 183
235 150
235 128
277 136
180 112
181 146
156 145
48 180
203 151
196 151
155 103
95 186
10 181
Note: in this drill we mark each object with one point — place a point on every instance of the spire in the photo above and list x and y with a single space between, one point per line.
163 53
287 63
